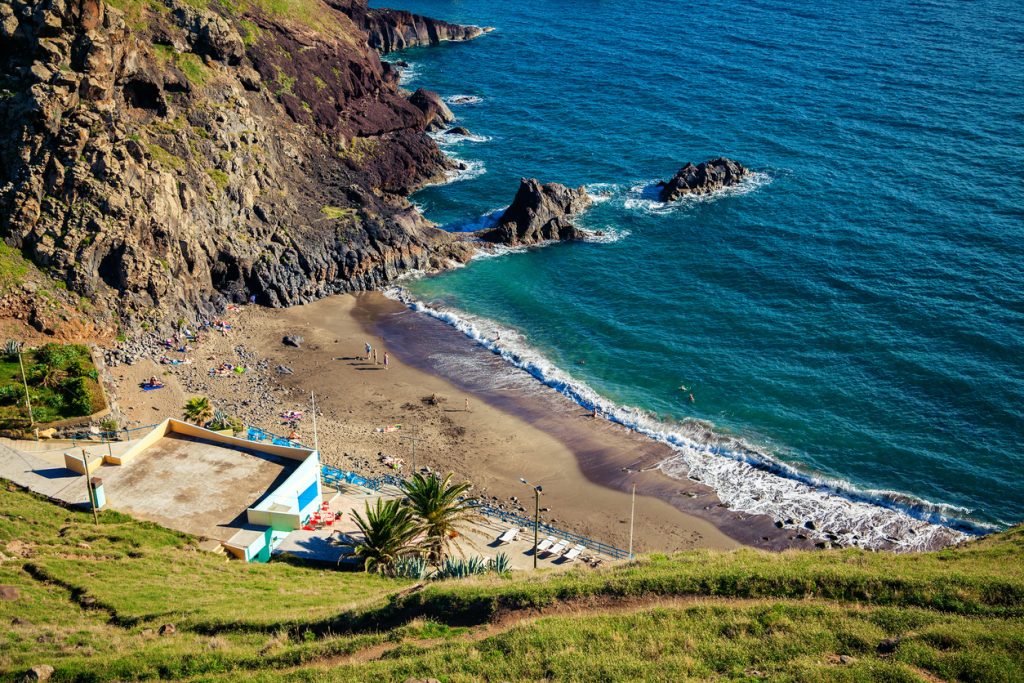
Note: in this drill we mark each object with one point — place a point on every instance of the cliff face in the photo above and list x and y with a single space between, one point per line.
163 158
388 30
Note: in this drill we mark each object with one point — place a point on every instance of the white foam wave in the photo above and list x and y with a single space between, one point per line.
604 235
458 100
470 169
445 139
407 74
601 192
744 478
643 196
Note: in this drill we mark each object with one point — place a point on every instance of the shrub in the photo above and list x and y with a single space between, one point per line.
11 394
77 396
59 355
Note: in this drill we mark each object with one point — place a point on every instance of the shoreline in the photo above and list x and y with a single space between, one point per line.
608 455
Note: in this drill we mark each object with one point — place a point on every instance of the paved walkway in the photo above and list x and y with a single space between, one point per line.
39 466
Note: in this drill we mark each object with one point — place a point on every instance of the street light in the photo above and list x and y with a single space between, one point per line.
536 515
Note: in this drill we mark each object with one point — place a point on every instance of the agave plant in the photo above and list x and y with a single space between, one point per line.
411 567
453 568
389 531
441 508
12 348
500 564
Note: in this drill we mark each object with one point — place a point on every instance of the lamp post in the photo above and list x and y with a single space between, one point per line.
536 516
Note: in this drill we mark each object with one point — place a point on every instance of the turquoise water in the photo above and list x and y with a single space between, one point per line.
855 317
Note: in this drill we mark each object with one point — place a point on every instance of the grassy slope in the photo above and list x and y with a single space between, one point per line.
91 597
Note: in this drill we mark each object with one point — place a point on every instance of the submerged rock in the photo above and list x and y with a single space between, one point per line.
702 179
539 213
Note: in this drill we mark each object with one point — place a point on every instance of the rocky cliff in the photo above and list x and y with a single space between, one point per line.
388 30
164 156
539 212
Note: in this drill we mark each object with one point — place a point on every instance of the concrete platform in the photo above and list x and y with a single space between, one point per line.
193 485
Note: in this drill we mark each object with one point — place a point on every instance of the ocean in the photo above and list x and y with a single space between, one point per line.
850 322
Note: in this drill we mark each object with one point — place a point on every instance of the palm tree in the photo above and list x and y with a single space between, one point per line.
389 532
198 410
441 507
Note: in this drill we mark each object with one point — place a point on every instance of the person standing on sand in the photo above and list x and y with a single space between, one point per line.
369 350
385 360
467 405
375 357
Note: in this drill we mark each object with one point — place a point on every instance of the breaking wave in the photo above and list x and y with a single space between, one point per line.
463 99
445 139
745 478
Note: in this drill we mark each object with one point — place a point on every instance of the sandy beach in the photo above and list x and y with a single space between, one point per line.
513 427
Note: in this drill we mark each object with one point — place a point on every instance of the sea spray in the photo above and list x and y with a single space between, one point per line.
744 478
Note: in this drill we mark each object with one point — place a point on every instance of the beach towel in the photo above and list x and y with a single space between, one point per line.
151 387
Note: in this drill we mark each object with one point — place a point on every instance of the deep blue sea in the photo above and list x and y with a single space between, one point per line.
853 318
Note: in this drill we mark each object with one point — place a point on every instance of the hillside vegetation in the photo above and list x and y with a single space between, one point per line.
92 601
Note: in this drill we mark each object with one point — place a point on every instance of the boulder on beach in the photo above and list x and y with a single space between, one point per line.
539 213
702 179
293 340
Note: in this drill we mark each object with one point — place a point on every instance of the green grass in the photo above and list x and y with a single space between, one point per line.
219 177
338 212
14 267
93 596
165 158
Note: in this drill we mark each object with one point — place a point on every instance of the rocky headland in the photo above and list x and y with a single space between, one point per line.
539 213
702 179
388 30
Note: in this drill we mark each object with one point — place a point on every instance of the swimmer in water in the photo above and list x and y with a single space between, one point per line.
692 399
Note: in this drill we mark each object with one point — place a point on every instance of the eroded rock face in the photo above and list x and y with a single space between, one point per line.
704 178
436 113
389 30
163 166
539 213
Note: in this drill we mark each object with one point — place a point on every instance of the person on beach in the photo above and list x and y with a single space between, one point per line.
467 405
369 350
385 360
375 357
597 413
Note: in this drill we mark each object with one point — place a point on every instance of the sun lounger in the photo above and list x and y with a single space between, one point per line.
558 548
573 553
545 544
509 535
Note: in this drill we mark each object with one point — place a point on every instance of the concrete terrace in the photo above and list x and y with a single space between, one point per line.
194 485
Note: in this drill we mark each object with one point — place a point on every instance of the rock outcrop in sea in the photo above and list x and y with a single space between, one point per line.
702 179
539 213
388 30
163 160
